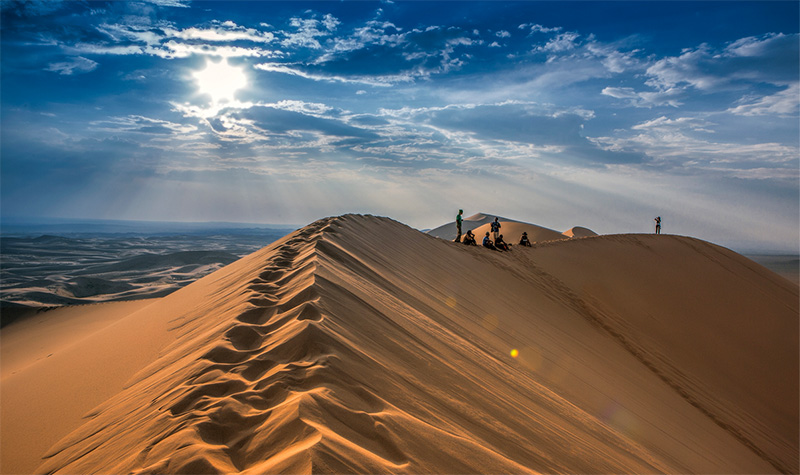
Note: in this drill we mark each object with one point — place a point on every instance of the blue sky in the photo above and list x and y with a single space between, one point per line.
600 114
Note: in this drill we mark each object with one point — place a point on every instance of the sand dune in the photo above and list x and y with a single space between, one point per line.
579 232
359 345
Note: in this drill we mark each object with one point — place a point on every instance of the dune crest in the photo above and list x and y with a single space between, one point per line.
359 345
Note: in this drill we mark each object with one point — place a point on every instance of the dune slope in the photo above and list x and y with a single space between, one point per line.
359 345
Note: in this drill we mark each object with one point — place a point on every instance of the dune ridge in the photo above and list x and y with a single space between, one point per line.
359 345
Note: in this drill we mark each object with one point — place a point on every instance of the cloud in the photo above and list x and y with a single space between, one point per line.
514 130
756 64
614 59
772 58
682 146
379 54
77 65
170 3
383 81
141 124
662 123
668 97
165 41
175 49
785 103
222 32
536 28
561 43
308 30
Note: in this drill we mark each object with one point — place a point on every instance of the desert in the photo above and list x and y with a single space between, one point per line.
357 344
231 237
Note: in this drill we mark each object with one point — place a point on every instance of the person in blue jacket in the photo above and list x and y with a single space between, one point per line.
487 243
495 228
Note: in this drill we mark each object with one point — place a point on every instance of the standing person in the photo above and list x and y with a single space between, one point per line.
458 224
495 228
658 224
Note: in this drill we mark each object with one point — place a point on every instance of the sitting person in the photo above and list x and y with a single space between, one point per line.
500 244
488 243
523 241
469 239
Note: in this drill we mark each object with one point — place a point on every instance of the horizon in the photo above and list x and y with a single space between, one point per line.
602 116
30 226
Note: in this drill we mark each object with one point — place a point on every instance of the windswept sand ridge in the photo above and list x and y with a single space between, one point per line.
360 345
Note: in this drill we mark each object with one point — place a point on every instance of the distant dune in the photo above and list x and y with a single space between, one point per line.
359 345
579 232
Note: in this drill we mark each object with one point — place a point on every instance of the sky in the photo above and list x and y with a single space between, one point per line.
597 114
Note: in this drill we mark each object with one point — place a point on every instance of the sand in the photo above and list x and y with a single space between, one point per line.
359 345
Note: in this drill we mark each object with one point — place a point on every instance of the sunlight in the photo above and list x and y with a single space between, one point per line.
220 80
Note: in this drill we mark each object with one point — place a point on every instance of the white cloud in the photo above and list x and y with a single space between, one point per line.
682 145
772 59
170 3
536 28
174 49
668 97
308 30
615 60
503 34
142 124
88 48
691 67
784 103
77 65
330 22
222 32
561 43
382 81
664 123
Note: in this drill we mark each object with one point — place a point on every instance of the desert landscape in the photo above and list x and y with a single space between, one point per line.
51 266
357 344
228 237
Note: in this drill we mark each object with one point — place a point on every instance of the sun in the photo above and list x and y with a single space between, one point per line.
220 80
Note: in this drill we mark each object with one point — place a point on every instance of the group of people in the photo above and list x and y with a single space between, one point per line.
498 244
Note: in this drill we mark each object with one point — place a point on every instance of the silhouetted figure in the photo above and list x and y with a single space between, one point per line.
495 228
487 243
500 244
469 239
523 241
458 224
658 224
